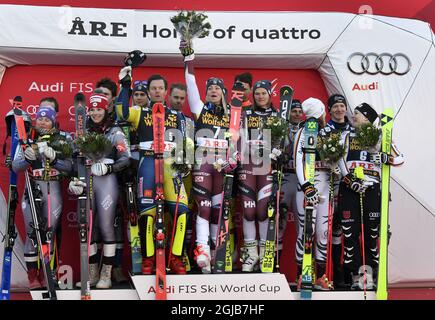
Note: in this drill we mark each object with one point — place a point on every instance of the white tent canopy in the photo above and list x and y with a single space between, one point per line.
276 40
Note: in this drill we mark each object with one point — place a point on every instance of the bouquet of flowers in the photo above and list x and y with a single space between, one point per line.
63 148
279 129
368 136
331 148
94 145
180 160
191 25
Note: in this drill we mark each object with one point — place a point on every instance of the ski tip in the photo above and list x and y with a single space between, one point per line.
238 86
18 99
158 107
79 98
285 90
387 116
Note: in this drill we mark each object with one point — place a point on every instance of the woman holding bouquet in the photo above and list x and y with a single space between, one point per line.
256 187
104 164
358 154
46 159
212 119
312 193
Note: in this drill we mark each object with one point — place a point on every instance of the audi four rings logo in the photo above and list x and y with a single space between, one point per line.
384 63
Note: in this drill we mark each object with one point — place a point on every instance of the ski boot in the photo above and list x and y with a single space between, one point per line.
33 276
105 281
323 284
369 279
202 257
148 265
176 265
118 275
93 275
250 256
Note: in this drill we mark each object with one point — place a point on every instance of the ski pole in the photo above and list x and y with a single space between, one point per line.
359 173
329 263
177 185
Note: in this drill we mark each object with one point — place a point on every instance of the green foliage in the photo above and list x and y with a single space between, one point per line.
94 145
62 147
191 25
180 157
367 135
279 129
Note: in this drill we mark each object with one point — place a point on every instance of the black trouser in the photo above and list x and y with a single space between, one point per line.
350 214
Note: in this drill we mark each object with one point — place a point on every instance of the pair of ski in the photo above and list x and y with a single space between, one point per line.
34 197
158 116
223 258
310 143
10 233
268 263
83 201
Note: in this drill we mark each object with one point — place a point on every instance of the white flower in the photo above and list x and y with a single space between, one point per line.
332 149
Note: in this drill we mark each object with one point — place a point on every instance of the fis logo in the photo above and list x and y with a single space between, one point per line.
199 179
249 204
242 177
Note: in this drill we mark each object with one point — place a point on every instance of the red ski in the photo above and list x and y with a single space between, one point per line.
159 227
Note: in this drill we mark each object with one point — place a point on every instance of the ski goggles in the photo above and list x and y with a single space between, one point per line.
140 85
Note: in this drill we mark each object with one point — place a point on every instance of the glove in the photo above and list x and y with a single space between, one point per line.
354 183
226 166
125 75
76 186
101 169
310 192
49 153
187 50
380 158
275 154
29 154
